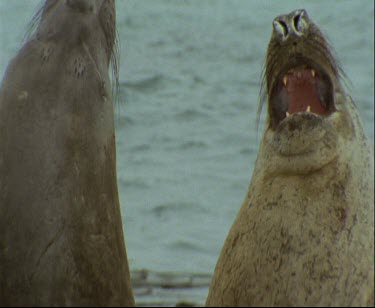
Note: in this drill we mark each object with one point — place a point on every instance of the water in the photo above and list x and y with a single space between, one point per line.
186 137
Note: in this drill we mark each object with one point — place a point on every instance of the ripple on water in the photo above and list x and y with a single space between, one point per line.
144 83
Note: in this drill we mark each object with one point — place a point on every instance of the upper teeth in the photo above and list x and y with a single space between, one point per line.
299 75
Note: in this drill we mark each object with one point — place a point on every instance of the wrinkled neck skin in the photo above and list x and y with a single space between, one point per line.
306 144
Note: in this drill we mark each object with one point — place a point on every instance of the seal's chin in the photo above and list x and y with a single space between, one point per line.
302 88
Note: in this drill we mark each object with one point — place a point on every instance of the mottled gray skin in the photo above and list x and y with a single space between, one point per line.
61 237
304 235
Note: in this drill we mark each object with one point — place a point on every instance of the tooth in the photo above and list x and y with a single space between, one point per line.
287 114
285 80
313 73
308 109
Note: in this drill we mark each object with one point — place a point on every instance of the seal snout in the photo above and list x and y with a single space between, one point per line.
293 25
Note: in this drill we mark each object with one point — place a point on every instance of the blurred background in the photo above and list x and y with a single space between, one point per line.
185 115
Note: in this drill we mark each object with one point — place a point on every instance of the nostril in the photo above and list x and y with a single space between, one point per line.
296 20
299 22
281 28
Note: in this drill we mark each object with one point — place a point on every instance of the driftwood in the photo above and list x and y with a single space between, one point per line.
169 289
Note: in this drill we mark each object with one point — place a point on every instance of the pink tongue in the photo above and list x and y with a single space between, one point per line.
302 92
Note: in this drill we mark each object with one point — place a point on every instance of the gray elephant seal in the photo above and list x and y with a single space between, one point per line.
61 237
304 235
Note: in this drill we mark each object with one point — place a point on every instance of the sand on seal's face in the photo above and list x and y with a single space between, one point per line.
304 233
61 232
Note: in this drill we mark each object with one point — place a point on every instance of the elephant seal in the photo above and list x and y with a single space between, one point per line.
304 235
61 237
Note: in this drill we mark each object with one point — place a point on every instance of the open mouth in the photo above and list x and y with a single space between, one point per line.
301 88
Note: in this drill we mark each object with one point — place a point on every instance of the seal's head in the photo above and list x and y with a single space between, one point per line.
301 73
79 29
72 21
302 81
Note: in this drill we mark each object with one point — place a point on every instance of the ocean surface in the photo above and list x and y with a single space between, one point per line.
185 115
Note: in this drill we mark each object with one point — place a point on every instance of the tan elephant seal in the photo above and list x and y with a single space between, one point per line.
304 235
61 237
